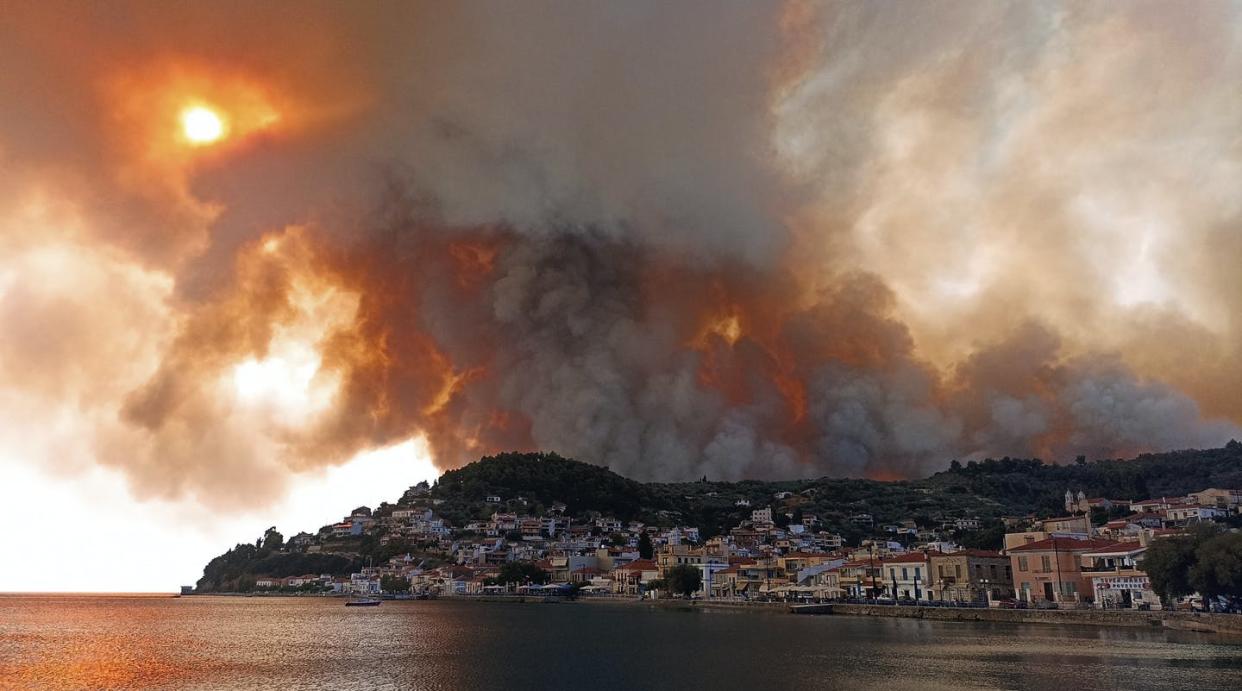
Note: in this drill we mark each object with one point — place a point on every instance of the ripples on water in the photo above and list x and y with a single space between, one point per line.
305 643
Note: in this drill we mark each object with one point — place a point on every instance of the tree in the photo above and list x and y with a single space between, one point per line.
1167 563
1217 568
990 535
521 572
684 579
394 584
272 539
645 549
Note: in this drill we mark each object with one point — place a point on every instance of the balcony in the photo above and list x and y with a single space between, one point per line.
1096 569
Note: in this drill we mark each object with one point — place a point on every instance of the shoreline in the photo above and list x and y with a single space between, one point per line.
1199 622
1196 622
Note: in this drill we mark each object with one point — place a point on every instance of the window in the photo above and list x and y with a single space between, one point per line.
918 571
1046 562
905 574
1023 565
1069 588
957 570
892 573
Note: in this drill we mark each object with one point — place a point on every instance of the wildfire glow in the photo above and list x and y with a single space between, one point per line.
727 327
201 125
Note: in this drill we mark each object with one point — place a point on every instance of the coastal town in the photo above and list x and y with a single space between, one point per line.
1092 556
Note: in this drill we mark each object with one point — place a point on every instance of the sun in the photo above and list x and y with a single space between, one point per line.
201 125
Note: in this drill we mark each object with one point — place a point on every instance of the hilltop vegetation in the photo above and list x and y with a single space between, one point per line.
987 490
236 569
1024 486
540 479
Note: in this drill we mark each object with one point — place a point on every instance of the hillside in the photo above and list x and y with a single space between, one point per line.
987 489
536 483
541 479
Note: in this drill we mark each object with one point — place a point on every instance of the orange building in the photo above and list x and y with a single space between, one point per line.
1050 570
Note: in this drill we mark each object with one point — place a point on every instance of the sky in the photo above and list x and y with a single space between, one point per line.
260 265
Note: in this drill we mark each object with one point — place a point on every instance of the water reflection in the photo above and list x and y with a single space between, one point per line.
119 642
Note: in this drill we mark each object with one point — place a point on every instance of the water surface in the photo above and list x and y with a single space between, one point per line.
304 643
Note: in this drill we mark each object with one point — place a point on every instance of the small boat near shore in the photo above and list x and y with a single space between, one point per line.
363 602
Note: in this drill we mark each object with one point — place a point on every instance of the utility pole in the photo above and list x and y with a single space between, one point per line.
1057 556
871 549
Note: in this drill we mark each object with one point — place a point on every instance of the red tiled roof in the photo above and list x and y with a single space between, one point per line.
1063 543
639 565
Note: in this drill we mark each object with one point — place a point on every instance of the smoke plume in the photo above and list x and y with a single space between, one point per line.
731 239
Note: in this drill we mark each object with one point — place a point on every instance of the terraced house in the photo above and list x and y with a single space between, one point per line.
970 575
906 575
1050 570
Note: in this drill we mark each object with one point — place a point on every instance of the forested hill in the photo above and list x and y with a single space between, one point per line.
542 479
536 483
985 489
1030 485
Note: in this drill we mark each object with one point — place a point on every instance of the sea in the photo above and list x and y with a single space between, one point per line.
202 642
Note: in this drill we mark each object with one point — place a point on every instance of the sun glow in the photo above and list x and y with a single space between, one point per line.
201 125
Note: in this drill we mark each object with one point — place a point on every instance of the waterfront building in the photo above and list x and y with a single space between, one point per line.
859 578
1117 578
1050 570
905 576
633 578
970 575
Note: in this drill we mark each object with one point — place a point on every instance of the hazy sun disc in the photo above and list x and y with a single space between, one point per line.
201 125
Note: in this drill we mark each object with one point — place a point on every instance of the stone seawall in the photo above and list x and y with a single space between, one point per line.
1183 621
